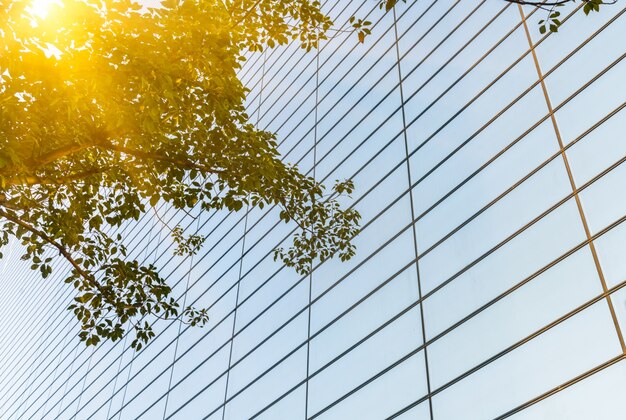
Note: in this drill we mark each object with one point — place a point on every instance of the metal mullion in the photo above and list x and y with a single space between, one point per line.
64 347
304 308
133 352
56 368
414 227
89 359
310 285
258 58
123 349
64 385
109 402
243 249
169 386
124 384
257 222
572 181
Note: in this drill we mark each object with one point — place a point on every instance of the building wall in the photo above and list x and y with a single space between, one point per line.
489 274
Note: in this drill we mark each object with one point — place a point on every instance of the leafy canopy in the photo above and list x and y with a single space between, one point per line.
108 108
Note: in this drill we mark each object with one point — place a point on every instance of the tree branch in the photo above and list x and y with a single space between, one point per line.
62 250
185 163
549 5
31 180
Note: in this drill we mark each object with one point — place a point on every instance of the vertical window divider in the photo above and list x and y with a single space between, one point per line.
243 250
413 226
180 324
308 336
572 182
130 365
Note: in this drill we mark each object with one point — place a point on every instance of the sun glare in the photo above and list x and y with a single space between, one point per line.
41 8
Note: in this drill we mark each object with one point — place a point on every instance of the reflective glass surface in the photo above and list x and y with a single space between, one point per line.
489 279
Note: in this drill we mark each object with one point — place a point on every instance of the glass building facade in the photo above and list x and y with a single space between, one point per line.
490 271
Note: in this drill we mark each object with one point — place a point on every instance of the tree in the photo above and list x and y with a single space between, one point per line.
108 107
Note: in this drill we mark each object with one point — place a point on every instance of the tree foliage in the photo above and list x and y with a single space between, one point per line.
109 107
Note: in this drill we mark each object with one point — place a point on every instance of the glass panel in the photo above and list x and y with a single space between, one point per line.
513 318
604 200
611 247
386 347
569 349
386 394
551 238
271 386
597 397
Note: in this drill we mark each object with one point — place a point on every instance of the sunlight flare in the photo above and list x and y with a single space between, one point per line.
41 8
